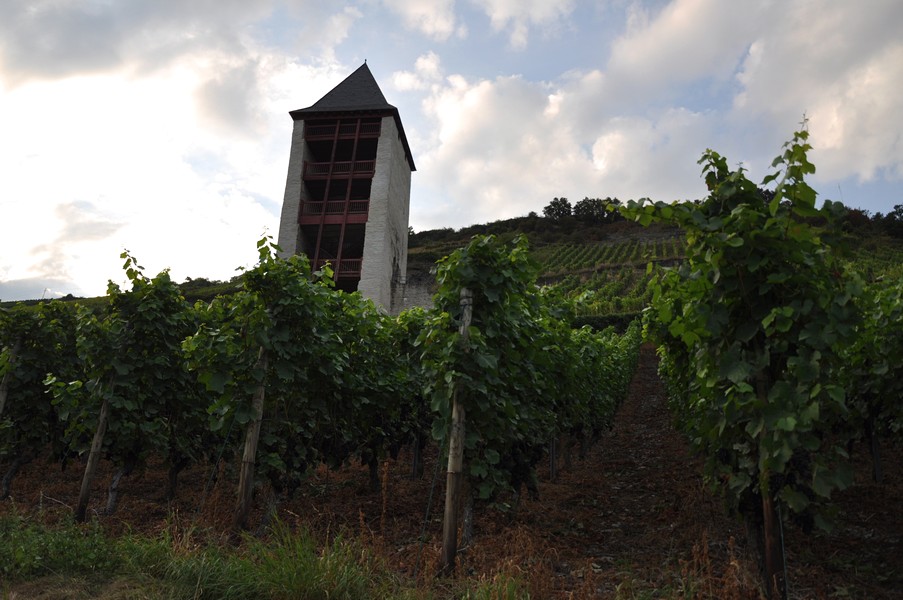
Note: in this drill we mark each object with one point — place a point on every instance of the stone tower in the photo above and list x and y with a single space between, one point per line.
347 194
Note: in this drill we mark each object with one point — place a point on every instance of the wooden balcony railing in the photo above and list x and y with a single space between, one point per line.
345 130
347 267
335 207
325 169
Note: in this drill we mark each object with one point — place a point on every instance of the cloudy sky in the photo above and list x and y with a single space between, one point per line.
161 126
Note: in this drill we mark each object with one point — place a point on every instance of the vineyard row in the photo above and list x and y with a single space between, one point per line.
289 373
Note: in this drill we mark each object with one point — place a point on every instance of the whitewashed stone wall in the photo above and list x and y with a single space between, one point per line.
289 230
386 236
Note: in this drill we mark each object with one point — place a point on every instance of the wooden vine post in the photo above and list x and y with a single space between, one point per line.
249 456
455 454
81 509
772 545
775 578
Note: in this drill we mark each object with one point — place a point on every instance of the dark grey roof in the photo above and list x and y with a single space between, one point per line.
357 92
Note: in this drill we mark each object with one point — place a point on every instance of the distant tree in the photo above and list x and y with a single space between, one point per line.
200 282
858 220
892 223
607 209
557 209
591 210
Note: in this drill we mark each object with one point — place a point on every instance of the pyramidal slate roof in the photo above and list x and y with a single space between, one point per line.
357 92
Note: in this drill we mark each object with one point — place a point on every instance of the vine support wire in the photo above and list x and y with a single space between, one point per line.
786 590
429 504
219 457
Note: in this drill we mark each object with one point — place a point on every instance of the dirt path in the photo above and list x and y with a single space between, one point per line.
635 519
635 516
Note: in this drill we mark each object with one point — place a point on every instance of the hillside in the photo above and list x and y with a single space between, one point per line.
606 258
605 264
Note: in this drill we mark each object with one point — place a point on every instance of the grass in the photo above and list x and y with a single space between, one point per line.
80 561
29 550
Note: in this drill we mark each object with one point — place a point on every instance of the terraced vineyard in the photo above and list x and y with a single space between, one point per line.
618 290
610 277
562 259
881 257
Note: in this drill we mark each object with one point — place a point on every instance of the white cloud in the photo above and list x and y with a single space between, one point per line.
518 16
55 39
506 146
433 18
686 41
840 65
326 36
437 19
653 157
229 99
80 222
427 71
487 162
112 162
851 128
184 166
159 128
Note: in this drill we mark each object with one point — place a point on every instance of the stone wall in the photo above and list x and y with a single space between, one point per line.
289 231
386 235
418 290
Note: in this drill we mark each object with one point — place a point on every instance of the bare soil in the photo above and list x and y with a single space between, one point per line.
632 519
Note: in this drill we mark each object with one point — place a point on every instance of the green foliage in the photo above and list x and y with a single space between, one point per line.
557 209
591 252
524 375
267 335
338 375
28 551
892 222
597 210
750 327
34 342
130 355
494 383
619 322
500 587
285 564
873 364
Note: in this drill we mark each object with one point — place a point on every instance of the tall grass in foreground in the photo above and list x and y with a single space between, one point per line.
284 565
81 561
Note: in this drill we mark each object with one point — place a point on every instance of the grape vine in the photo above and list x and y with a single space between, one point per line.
751 328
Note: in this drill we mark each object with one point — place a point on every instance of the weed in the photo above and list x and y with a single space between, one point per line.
30 550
